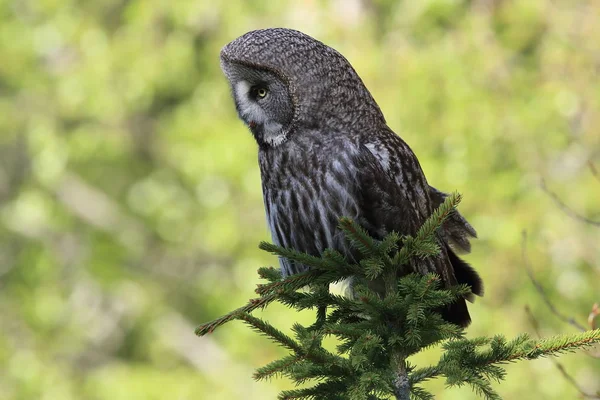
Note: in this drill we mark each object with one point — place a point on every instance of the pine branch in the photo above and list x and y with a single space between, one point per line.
423 243
438 217
464 359
273 291
252 305
482 387
561 344
359 238
271 332
269 273
322 391
278 367
389 318
423 374
418 393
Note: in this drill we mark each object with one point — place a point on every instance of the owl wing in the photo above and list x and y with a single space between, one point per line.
456 230
394 188
397 160
397 197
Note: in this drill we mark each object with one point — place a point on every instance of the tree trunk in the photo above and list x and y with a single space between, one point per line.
401 384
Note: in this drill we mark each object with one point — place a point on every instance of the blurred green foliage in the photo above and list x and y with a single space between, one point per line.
130 203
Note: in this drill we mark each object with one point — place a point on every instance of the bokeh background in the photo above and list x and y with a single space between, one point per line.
130 202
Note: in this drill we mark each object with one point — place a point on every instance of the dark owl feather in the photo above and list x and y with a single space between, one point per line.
325 151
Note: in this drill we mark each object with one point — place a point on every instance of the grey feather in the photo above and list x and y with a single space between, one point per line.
325 151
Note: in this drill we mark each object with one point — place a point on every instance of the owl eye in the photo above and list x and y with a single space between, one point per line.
258 92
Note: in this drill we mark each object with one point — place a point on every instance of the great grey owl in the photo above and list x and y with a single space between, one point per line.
325 151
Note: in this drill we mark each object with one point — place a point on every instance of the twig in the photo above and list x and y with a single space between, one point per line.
592 323
594 170
593 315
559 366
541 289
252 305
566 208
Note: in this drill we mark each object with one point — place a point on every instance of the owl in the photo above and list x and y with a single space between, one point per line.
325 151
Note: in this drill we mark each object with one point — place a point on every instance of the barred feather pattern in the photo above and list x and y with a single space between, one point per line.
309 184
325 151
305 195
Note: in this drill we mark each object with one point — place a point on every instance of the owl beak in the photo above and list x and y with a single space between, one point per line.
252 124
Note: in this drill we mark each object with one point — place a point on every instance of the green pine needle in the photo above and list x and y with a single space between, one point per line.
377 333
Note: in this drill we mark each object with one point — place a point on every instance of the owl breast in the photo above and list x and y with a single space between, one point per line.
306 190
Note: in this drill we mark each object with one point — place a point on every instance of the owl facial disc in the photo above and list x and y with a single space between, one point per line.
263 128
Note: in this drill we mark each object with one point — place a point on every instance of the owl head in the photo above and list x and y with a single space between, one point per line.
286 83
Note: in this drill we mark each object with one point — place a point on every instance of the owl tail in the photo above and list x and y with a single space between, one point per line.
457 312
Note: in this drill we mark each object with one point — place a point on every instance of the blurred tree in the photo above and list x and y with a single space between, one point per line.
130 202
